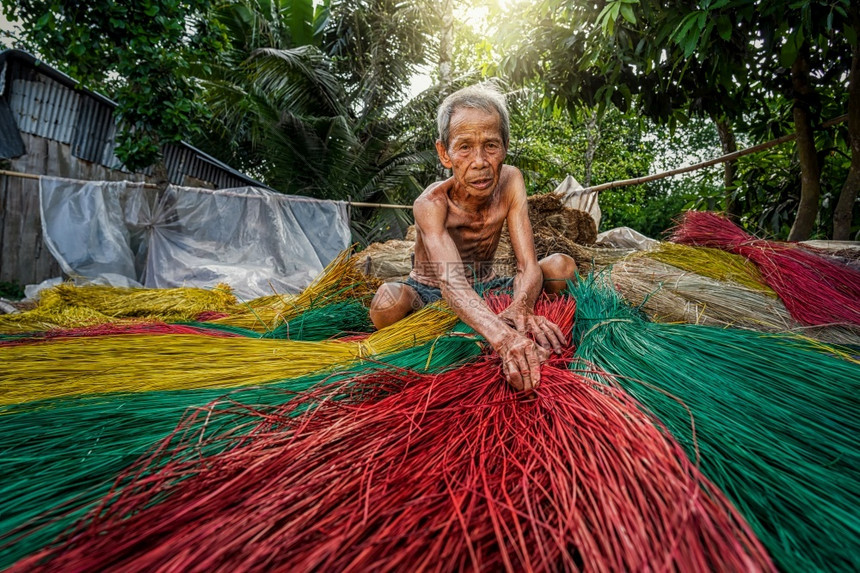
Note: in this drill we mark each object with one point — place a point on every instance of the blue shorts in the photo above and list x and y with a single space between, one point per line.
430 294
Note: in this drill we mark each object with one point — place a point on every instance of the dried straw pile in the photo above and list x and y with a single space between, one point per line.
669 294
550 218
389 261
557 229
845 252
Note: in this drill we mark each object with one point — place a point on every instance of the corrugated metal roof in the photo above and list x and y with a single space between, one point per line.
11 144
94 130
174 160
44 107
48 103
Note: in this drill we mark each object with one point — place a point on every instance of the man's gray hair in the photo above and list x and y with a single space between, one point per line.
485 96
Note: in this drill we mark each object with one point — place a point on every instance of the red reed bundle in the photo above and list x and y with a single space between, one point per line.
816 290
446 472
109 329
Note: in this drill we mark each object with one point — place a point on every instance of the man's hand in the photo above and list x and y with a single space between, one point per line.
521 360
545 332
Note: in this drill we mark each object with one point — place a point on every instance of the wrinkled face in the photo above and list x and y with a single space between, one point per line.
475 150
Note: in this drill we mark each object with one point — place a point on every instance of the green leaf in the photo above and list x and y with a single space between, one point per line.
152 10
690 43
724 27
627 13
681 32
301 21
788 52
44 20
851 35
606 20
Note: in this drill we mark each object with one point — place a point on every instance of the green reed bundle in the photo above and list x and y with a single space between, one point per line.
773 420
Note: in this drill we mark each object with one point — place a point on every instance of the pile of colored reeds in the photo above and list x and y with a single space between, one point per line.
816 290
712 263
278 434
68 307
59 456
449 471
670 294
340 280
154 362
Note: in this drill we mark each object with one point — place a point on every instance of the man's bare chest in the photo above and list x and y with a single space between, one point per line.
476 235
475 228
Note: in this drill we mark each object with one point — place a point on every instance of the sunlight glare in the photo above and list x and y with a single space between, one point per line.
476 13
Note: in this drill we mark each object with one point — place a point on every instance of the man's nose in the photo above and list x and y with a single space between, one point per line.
480 157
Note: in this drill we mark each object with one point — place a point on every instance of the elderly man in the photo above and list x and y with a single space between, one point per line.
459 222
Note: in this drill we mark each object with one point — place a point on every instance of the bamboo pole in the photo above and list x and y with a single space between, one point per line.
715 161
21 175
153 186
37 177
385 205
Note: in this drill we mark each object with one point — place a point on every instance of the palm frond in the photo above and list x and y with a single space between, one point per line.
298 78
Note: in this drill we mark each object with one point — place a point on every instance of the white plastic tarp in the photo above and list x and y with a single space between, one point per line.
255 240
575 197
625 238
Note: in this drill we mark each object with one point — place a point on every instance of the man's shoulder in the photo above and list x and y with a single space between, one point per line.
511 178
431 207
512 187
436 194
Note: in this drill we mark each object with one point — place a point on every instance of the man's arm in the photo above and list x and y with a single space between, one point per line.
520 356
528 281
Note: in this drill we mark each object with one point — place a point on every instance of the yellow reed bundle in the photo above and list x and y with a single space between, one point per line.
140 363
338 281
713 263
69 306
183 303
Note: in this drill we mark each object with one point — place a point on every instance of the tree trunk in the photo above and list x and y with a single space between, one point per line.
446 57
810 175
844 211
446 43
592 137
728 144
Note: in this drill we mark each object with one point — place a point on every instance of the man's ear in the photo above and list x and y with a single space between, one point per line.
443 155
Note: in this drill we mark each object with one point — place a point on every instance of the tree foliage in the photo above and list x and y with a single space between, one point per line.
312 97
306 97
139 51
723 59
